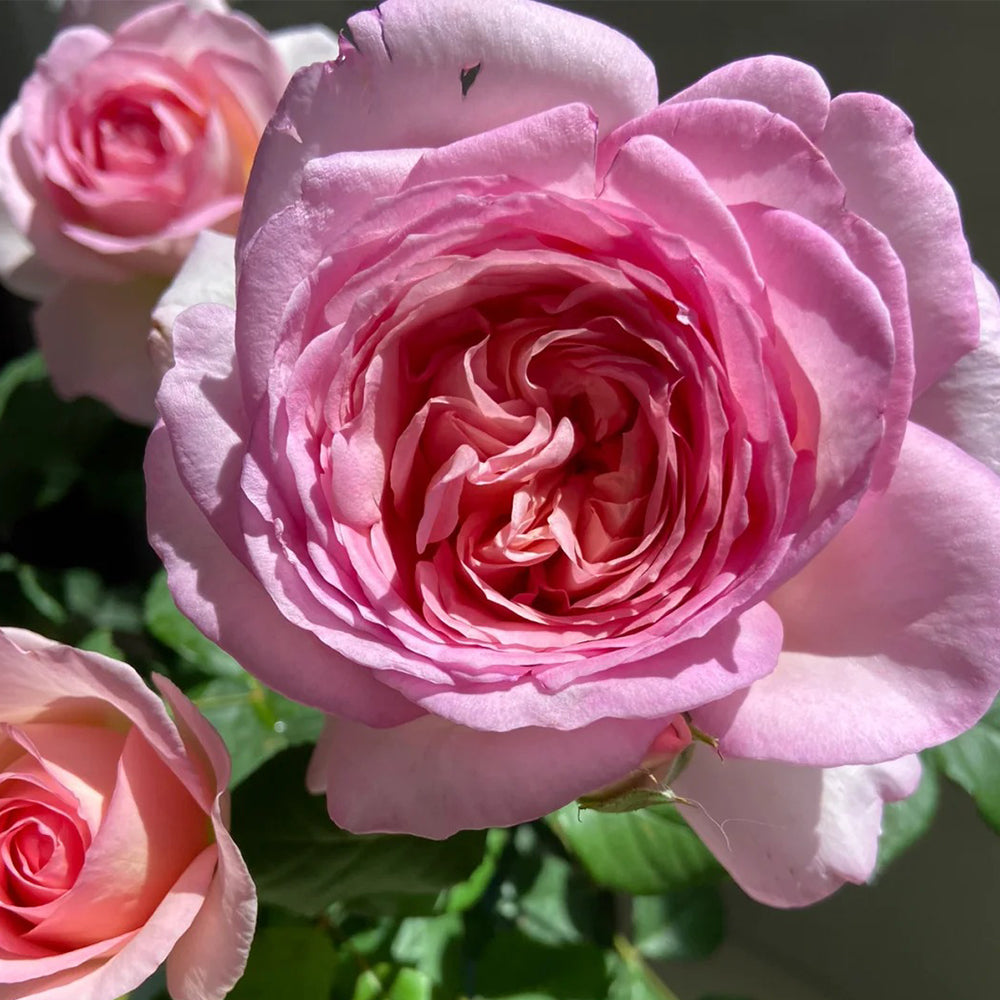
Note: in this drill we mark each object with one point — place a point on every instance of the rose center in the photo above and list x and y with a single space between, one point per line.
136 134
540 467
41 852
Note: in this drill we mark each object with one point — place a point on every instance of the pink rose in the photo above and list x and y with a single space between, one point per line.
114 852
123 145
547 414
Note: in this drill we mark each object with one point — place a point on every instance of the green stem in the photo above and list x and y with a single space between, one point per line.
631 956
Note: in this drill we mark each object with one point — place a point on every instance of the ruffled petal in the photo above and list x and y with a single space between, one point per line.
736 653
217 592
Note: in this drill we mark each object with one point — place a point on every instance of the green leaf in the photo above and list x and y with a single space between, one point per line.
299 859
166 623
685 924
25 370
549 899
514 967
255 722
904 822
386 982
36 593
973 762
100 640
45 443
288 961
466 894
432 946
647 852
87 597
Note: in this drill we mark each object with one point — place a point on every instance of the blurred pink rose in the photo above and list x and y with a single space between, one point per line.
547 414
114 852
121 148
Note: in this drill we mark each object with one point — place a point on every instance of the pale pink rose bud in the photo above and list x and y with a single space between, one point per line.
114 852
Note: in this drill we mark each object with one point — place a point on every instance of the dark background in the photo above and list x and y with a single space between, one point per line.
929 930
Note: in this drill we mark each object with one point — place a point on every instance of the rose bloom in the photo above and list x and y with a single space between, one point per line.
124 144
114 852
547 414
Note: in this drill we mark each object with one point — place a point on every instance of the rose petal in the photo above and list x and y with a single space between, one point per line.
139 955
785 86
892 184
390 780
964 406
109 14
838 329
411 80
335 191
94 341
211 955
890 632
223 599
553 150
151 831
91 688
791 835
303 46
731 656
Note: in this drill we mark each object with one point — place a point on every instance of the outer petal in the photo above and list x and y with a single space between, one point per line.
207 275
185 30
20 269
303 46
734 654
111 687
552 151
423 74
892 184
433 778
201 392
94 338
217 592
890 632
792 835
789 88
211 955
335 190
964 406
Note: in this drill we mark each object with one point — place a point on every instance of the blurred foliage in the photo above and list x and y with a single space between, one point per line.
972 761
